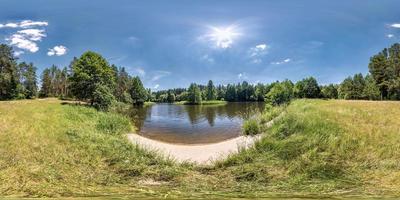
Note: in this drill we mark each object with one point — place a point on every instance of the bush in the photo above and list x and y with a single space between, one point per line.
251 127
103 98
280 93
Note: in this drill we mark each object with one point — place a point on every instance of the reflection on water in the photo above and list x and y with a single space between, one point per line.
193 124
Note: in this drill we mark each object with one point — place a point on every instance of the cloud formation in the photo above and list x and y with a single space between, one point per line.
395 25
255 53
27 38
156 86
57 51
24 24
282 62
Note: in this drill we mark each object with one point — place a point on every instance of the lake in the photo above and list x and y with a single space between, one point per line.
193 124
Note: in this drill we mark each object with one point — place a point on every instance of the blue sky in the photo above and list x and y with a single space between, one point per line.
173 43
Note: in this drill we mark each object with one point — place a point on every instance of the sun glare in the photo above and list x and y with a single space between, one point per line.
223 36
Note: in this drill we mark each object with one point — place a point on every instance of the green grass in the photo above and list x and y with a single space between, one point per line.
49 149
212 102
317 148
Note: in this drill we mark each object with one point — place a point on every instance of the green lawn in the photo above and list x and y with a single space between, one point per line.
319 147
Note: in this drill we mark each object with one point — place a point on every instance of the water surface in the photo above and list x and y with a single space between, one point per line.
193 124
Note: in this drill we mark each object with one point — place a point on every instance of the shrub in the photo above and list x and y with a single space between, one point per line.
103 98
280 93
251 127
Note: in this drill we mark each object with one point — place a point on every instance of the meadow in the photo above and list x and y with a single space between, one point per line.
52 148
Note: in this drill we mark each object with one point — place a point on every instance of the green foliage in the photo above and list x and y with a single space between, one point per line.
137 91
385 69
346 89
28 79
371 89
103 98
171 97
251 127
330 91
231 93
90 71
8 73
280 93
194 94
307 88
122 86
211 92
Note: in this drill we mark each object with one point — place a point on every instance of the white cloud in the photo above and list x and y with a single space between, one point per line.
389 35
24 24
20 41
156 86
242 76
32 34
255 53
18 53
396 25
159 74
27 38
57 51
30 23
281 62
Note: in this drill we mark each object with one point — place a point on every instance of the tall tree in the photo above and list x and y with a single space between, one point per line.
346 89
371 90
194 94
8 73
330 91
307 88
90 72
45 90
211 91
28 79
121 90
385 69
231 93
137 91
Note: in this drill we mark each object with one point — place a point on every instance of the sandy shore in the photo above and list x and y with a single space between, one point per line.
203 153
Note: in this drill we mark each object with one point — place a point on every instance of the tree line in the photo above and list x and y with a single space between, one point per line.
92 79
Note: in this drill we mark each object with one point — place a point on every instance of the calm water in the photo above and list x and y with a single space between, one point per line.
193 124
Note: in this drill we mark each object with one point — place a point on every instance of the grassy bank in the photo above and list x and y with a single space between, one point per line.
334 147
50 149
316 147
213 102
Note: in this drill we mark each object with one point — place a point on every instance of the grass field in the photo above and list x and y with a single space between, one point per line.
324 147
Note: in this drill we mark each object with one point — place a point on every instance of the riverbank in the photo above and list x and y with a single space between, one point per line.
331 148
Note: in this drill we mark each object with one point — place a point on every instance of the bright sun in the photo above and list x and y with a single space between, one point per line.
223 36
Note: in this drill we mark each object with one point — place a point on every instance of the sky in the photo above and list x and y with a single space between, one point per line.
176 42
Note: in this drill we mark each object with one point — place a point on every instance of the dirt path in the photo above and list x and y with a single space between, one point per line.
203 153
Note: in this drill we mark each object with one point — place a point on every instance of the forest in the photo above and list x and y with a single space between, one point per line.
90 78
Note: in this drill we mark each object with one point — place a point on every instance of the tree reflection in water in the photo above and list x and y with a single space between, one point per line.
192 123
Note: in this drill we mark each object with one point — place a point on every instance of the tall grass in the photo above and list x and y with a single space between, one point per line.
324 147
48 149
317 147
